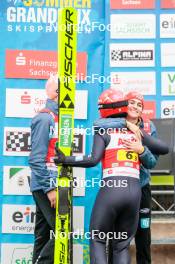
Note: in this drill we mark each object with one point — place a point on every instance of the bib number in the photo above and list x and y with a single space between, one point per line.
123 155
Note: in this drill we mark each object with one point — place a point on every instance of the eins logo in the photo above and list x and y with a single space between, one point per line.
168 109
24 217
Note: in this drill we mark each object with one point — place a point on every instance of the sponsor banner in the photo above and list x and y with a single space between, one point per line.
16 253
167 54
41 16
167 4
17 141
81 101
149 111
16 180
22 253
38 64
168 109
79 143
132 55
78 218
168 83
77 254
28 102
143 82
132 4
167 25
133 26
20 219
79 181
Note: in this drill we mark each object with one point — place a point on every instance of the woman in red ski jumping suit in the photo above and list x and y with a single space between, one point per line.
117 203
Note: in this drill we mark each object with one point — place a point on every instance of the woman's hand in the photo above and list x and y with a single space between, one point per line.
135 129
60 157
135 146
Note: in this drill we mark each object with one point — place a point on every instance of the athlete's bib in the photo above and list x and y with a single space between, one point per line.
119 161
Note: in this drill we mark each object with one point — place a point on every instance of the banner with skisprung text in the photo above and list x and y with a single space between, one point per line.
28 57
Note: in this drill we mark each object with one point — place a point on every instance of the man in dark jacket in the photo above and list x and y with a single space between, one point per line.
44 134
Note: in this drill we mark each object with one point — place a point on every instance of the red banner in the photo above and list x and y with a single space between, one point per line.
167 4
132 4
149 110
38 64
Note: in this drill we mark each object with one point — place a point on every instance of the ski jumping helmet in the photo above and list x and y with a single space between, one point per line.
111 103
134 95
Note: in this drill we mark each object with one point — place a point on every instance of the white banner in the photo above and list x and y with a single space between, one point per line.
77 254
28 102
167 54
16 253
79 181
17 141
167 25
168 83
79 142
132 55
143 82
20 219
133 26
22 254
78 219
168 109
16 180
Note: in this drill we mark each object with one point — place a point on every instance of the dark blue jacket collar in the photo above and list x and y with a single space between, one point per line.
52 105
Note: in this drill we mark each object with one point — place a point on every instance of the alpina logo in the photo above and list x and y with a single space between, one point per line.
131 55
